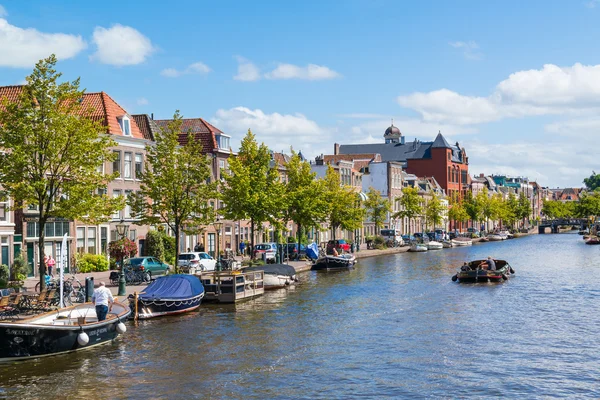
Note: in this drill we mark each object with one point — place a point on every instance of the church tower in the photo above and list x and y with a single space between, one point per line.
393 135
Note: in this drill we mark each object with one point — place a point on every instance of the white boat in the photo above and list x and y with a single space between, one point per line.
433 245
506 234
276 275
461 241
494 237
418 247
447 244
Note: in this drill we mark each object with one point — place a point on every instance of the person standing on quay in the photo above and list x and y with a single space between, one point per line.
101 297
51 262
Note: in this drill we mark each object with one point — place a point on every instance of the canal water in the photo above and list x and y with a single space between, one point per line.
395 326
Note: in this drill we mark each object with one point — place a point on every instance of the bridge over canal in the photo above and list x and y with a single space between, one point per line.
553 224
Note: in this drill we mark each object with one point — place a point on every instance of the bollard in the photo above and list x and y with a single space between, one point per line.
122 284
264 257
89 288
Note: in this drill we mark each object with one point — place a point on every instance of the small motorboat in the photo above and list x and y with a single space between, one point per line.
334 263
462 241
418 247
170 294
592 240
447 244
61 331
276 275
434 245
494 237
483 239
475 271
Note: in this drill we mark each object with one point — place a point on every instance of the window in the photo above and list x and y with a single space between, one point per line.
138 166
132 235
81 240
449 174
117 214
127 165
117 163
3 212
125 125
103 239
127 213
91 240
222 164
223 142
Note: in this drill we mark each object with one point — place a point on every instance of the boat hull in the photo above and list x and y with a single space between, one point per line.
22 340
473 273
418 248
333 263
458 243
272 281
434 246
161 307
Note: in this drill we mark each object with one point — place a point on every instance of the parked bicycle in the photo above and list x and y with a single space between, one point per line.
132 276
73 291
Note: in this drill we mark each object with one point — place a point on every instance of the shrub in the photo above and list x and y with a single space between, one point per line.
19 269
154 245
92 263
251 263
121 249
379 242
4 275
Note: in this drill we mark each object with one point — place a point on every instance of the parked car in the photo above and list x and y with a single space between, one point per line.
269 248
340 245
151 265
474 232
199 260
293 252
408 238
392 236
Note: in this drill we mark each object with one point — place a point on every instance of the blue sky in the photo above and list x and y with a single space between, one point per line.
516 83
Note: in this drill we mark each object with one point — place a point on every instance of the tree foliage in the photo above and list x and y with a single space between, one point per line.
457 210
377 208
344 209
589 204
122 249
558 209
592 182
253 190
174 188
524 209
410 204
55 150
434 210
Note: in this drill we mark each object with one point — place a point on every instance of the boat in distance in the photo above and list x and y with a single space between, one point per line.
276 275
167 295
476 271
61 331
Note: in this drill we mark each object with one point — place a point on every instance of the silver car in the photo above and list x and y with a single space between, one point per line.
196 262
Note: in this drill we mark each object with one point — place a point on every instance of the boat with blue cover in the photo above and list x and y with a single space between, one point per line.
171 294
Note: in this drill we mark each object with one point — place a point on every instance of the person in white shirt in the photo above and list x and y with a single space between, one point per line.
101 298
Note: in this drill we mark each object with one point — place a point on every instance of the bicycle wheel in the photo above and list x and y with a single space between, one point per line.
37 287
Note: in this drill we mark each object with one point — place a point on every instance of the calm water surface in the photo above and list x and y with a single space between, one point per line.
396 326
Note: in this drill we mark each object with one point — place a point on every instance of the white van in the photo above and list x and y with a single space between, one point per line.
392 235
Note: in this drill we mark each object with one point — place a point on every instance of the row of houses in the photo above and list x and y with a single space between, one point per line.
436 168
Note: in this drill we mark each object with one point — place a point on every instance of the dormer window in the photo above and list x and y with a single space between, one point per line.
223 141
125 125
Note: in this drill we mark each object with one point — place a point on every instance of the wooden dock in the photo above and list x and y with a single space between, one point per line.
232 286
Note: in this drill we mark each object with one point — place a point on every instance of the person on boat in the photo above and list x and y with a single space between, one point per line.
335 252
465 267
490 264
101 298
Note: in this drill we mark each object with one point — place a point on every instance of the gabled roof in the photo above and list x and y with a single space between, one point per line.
104 109
202 130
147 126
440 142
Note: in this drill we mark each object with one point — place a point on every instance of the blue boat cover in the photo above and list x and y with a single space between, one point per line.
173 287
312 251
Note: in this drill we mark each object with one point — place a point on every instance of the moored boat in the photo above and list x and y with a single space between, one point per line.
434 245
494 237
475 271
462 241
592 240
447 244
170 294
418 247
61 331
276 275
334 263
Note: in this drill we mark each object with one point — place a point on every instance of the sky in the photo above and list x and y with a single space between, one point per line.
516 83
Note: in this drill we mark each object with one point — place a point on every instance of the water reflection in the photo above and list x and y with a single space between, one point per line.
394 326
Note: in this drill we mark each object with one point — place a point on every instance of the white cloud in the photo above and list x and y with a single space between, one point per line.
469 49
278 131
22 48
120 45
311 72
195 68
142 101
550 91
247 71
3 12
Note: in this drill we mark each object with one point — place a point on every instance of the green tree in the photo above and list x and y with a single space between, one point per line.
154 245
592 182
252 189
511 212
524 208
589 204
306 204
474 205
410 204
55 151
377 208
344 209
434 210
174 188
457 211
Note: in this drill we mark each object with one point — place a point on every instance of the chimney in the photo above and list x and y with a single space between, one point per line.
481 175
152 116
402 140
336 149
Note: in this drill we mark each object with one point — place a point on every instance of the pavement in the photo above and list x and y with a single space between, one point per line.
300 266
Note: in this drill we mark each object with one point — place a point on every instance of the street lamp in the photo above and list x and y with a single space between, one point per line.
218 224
122 229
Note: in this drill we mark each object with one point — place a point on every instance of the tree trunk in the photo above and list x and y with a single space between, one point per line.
299 235
252 239
176 246
42 238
